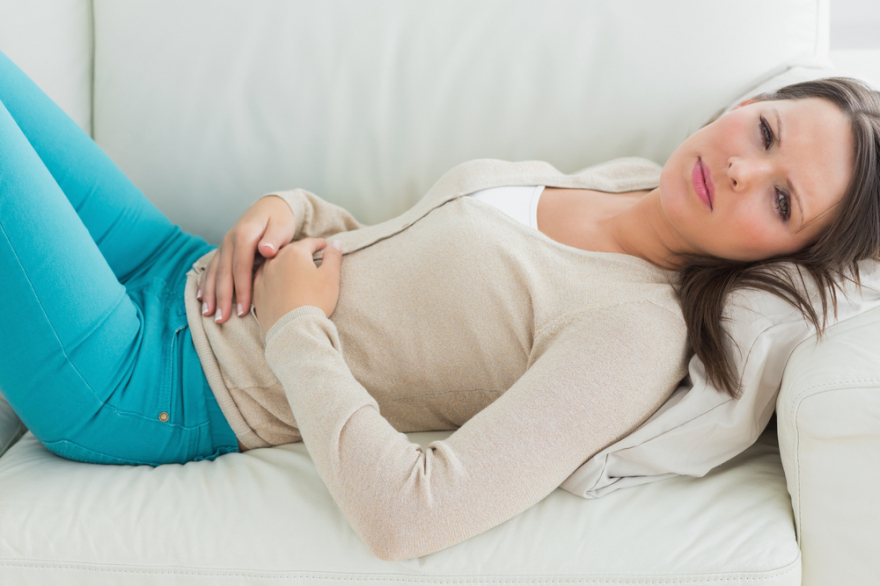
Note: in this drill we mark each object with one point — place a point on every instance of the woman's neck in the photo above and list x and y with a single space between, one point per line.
641 229
623 223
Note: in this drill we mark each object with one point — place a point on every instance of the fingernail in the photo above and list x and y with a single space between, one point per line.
219 314
240 310
336 245
269 245
199 294
204 309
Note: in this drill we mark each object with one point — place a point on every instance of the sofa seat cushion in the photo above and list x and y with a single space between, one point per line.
265 516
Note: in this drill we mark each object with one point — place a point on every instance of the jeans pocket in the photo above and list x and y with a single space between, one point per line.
170 396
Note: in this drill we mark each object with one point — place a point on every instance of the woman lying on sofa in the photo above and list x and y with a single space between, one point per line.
540 315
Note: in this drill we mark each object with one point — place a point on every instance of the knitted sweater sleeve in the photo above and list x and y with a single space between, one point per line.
591 380
315 217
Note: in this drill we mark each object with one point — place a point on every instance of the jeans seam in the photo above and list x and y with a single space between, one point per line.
196 441
51 325
81 447
118 411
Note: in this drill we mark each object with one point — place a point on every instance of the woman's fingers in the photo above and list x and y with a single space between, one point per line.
266 227
242 269
280 228
208 292
224 283
330 269
313 245
199 295
332 260
233 272
268 249
276 233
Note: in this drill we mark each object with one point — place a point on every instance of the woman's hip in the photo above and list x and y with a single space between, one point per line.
166 412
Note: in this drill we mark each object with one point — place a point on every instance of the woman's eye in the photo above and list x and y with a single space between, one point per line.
766 133
782 205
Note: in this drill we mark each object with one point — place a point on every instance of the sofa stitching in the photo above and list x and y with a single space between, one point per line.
795 413
793 566
831 386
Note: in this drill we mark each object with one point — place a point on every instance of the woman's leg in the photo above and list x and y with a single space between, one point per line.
95 369
128 229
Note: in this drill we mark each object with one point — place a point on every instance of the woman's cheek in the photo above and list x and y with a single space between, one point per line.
757 240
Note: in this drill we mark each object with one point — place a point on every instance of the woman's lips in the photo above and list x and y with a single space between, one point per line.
710 185
701 182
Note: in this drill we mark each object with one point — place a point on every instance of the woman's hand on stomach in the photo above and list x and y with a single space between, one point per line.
266 227
291 280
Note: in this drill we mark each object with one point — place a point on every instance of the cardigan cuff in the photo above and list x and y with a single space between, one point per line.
291 316
296 207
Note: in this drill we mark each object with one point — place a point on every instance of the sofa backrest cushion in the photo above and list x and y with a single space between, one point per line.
208 104
51 41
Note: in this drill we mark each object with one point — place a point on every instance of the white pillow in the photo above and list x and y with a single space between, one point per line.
788 77
700 427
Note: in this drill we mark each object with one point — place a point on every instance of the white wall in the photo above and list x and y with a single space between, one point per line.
855 24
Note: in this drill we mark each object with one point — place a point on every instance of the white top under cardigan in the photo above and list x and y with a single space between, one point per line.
518 202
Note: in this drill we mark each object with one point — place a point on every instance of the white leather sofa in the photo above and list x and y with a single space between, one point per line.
207 104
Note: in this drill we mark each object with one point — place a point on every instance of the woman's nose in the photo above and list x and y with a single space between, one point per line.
745 172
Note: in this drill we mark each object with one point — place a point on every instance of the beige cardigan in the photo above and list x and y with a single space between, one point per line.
453 316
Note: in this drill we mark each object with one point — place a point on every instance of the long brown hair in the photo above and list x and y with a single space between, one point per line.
853 235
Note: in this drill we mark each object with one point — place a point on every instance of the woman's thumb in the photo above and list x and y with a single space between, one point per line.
277 234
332 257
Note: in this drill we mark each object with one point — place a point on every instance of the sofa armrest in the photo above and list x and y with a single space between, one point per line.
828 422
11 427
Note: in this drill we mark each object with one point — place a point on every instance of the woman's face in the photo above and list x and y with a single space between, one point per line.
755 159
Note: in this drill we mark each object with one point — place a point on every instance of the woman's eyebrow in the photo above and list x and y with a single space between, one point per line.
788 184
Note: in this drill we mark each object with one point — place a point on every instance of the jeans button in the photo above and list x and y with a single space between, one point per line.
163 416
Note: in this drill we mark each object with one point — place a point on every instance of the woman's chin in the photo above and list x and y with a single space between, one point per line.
674 200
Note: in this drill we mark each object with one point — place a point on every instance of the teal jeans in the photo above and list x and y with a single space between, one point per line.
96 357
